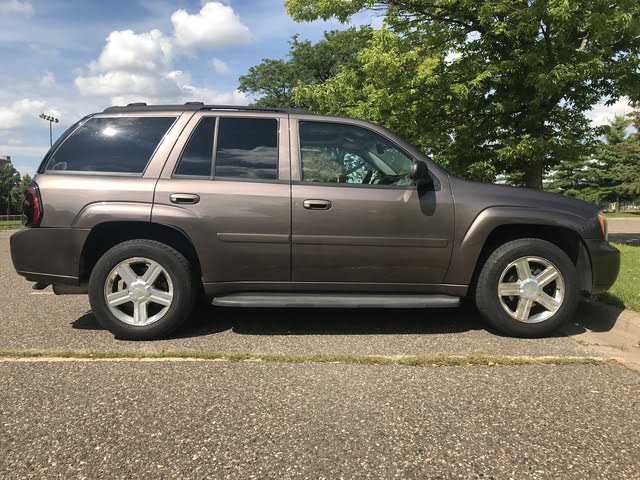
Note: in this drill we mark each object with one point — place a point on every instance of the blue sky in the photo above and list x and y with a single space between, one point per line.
72 57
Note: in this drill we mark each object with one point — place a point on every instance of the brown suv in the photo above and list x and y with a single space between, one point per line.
149 208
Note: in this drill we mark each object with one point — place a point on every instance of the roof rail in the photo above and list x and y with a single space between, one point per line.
195 106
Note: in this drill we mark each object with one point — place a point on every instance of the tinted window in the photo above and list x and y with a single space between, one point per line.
197 155
340 153
111 145
247 148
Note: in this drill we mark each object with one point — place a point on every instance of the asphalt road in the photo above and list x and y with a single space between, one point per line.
211 419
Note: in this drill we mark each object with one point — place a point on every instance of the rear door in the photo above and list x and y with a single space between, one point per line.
226 185
357 218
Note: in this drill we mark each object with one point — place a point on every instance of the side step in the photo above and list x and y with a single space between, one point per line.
335 300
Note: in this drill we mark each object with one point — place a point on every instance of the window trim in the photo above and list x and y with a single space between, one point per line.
241 179
80 124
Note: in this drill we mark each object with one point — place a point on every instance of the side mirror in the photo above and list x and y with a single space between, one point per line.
420 173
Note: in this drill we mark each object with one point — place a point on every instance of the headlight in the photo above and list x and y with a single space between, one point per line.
602 222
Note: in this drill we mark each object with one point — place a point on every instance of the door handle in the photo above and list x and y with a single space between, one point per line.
184 198
317 204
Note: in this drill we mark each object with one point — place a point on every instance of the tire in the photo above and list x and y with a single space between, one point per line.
539 305
151 287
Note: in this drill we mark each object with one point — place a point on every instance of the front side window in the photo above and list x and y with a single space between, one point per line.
340 153
114 145
247 148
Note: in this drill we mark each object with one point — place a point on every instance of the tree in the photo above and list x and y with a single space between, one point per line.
9 179
17 194
626 170
509 81
592 178
308 63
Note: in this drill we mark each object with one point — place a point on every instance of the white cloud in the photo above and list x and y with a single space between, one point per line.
602 114
48 81
220 66
19 7
138 67
16 114
215 26
131 52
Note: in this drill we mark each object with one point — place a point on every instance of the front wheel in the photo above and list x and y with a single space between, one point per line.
141 290
527 288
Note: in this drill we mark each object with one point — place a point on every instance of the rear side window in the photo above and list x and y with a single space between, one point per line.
247 148
197 155
115 145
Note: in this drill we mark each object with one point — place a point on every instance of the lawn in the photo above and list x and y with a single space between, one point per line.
626 291
12 225
622 214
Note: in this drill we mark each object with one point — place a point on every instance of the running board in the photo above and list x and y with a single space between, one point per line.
335 300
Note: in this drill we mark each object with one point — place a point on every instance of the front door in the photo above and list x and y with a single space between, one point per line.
356 214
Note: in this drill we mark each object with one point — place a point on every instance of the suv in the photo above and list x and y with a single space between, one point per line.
149 209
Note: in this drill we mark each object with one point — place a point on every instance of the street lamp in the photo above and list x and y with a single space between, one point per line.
49 119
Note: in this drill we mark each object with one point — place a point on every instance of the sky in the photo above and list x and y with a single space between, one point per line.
69 58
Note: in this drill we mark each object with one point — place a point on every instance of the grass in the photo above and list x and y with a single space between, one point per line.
435 360
626 291
622 214
10 225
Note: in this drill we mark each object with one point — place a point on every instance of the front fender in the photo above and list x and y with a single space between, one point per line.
470 240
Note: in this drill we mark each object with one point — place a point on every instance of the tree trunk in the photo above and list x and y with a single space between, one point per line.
533 176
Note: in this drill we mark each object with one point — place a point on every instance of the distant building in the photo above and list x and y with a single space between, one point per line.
5 160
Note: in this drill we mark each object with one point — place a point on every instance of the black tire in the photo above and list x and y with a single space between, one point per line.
494 308
176 266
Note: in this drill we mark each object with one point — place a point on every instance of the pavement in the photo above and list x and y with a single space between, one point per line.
172 418
624 230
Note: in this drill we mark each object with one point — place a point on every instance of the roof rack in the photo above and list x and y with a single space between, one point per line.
196 106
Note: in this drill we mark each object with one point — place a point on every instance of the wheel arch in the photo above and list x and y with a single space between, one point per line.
106 235
496 226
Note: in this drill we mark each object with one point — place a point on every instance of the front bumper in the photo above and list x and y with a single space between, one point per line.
605 264
48 255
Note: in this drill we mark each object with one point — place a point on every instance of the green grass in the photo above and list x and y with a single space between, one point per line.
10 225
626 291
622 215
435 360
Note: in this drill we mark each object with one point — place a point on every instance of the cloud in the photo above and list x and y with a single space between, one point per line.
18 7
48 81
17 114
215 26
220 66
131 52
139 67
602 114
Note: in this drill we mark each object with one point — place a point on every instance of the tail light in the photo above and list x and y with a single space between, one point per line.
32 205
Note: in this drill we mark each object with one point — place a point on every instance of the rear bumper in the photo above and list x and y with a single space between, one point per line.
48 255
605 264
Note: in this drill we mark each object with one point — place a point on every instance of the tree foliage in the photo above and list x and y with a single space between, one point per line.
9 184
510 81
308 63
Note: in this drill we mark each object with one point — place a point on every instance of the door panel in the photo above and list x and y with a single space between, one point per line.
370 235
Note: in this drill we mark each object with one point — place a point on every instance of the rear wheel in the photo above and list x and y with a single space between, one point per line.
142 290
527 288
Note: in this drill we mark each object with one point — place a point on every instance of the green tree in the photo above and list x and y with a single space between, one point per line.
592 178
508 80
17 194
9 179
308 63
626 170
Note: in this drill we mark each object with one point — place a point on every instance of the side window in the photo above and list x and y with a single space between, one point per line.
247 148
198 153
115 145
340 153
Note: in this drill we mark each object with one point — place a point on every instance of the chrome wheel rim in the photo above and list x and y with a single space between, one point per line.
531 289
138 291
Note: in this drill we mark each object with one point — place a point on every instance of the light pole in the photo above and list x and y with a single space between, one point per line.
49 119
